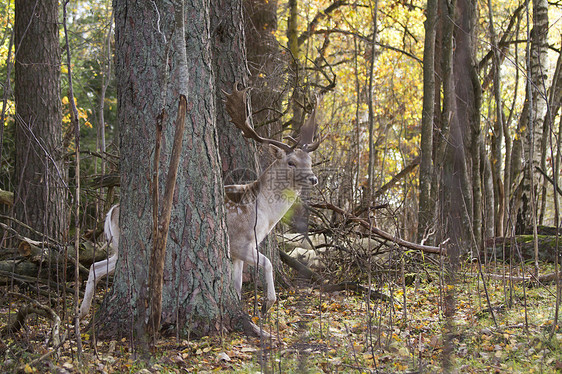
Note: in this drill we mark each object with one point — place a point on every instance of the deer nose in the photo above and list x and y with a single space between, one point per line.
313 180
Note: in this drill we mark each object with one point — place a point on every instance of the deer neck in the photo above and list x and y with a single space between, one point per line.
275 195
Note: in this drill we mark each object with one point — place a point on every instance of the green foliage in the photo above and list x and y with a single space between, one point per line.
90 40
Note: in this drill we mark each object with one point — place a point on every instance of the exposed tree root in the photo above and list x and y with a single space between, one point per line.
34 307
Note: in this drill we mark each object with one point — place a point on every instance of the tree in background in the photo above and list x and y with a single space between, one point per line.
531 123
40 174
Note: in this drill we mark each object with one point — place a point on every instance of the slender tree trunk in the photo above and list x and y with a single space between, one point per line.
425 210
497 136
370 106
467 92
532 117
40 174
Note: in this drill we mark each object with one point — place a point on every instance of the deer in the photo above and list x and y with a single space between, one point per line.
252 210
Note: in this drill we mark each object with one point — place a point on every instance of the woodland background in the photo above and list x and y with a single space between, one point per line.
438 177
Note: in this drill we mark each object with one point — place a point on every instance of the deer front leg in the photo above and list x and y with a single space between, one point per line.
97 271
253 257
268 271
237 269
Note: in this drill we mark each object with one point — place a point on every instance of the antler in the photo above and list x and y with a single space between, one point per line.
308 132
236 107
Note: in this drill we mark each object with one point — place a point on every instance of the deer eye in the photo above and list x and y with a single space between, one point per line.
291 164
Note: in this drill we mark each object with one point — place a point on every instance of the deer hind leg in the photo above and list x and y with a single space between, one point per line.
97 271
255 258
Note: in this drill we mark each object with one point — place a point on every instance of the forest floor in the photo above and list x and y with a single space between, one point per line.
316 332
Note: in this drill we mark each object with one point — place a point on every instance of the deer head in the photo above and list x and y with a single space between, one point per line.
294 160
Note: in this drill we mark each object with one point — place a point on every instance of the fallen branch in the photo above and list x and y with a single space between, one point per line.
7 275
318 280
550 277
382 234
52 241
37 252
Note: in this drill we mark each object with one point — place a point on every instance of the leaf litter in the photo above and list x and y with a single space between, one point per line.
316 332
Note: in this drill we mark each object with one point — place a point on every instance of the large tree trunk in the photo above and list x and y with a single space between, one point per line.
153 67
455 199
260 24
238 155
40 174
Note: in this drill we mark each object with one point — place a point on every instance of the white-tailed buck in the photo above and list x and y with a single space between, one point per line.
252 210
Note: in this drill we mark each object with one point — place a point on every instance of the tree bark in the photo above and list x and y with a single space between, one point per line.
466 124
40 175
260 24
532 117
155 63
425 209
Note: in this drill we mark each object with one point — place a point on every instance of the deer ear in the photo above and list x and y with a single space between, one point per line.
276 151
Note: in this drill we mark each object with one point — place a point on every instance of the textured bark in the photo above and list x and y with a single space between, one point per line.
532 117
264 62
467 90
153 63
39 175
425 209
238 155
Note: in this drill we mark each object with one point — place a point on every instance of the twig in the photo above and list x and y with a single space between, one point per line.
156 270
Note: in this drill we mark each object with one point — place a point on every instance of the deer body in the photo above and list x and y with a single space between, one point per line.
252 210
